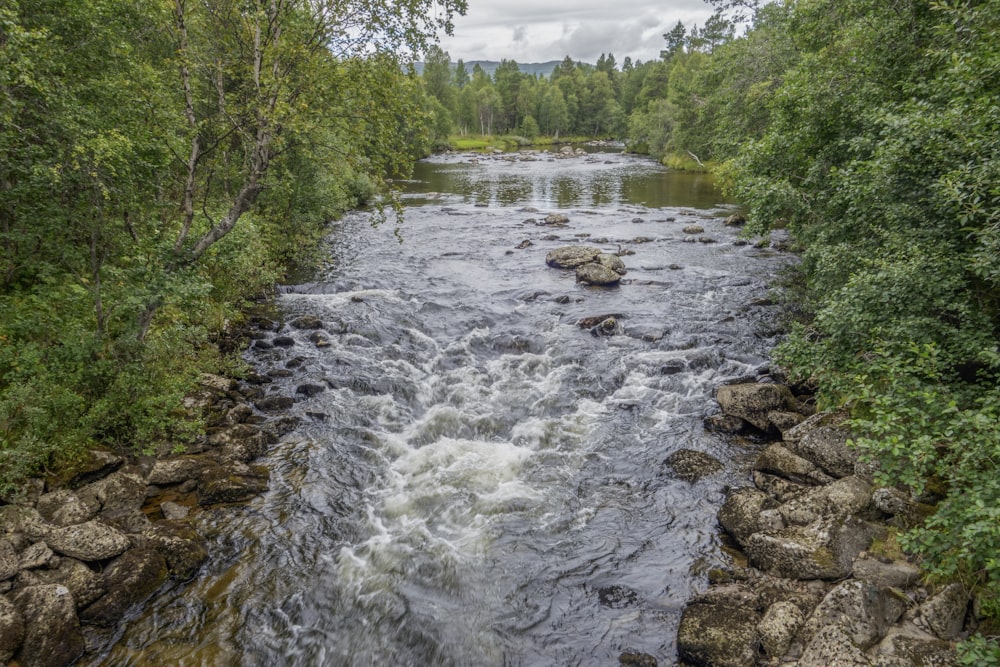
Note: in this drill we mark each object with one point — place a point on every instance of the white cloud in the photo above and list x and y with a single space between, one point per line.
540 30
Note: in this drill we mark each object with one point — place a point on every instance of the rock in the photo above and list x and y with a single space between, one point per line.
216 383
944 613
555 219
719 634
95 464
906 645
831 647
177 470
117 491
819 551
778 488
9 562
597 274
740 513
735 220
813 422
591 322
723 423
11 630
784 421
779 626
617 597
307 322
753 401
24 520
861 610
706 239
693 229
526 243
891 501
612 262
690 465
37 555
318 339
606 327
636 659
62 507
570 257
827 448
274 403
129 580
778 460
310 389
241 442
85 584
229 484
173 511
840 499
897 574
92 540
52 636
181 545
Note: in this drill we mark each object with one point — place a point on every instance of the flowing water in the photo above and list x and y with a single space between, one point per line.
482 482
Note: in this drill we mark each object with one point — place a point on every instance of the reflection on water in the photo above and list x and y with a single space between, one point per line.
541 178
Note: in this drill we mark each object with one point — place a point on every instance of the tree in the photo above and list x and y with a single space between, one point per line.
675 39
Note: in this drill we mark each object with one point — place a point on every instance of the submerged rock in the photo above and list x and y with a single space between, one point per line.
570 257
690 465
130 579
597 274
52 636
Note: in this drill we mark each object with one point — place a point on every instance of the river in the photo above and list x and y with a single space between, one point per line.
482 482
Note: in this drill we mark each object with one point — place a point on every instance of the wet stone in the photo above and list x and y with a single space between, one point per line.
617 597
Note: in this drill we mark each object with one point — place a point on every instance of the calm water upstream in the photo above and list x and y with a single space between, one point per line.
482 481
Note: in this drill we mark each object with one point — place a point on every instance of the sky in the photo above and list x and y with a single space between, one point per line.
530 31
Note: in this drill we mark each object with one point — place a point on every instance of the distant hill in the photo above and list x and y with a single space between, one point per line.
490 66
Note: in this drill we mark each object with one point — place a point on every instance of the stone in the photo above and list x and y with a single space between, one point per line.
827 448
118 491
690 465
93 465
37 555
9 562
784 420
570 257
944 613
274 403
85 584
896 574
216 383
177 470
11 630
307 322
174 511
778 460
831 647
779 626
723 423
823 550
555 219
310 389
24 520
735 220
636 659
753 401
597 274
88 541
907 645
719 634
778 488
241 442
129 580
612 262
181 545
231 484
863 611
52 636
62 507
840 499
693 229
740 513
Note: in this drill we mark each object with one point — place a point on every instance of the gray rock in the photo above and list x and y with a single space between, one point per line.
907 645
307 322
231 484
784 420
693 229
944 613
37 555
690 465
740 513
597 274
891 501
812 422
636 659
779 626
777 460
11 630
85 584
752 401
241 442
181 545
216 383
719 634
612 262
723 423
839 499
118 491
570 257
778 488
897 574
555 219
274 403
735 220
24 520
826 447
64 508
129 580
52 636
172 511
92 540
863 611
177 470
823 550
831 647
9 562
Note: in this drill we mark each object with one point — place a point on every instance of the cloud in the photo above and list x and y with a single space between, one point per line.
540 30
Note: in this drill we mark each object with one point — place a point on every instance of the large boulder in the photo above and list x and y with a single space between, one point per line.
52 636
62 507
718 633
570 257
231 483
85 584
613 262
92 540
177 470
180 544
118 492
690 465
780 461
130 579
241 442
740 514
779 626
944 613
752 401
862 610
823 550
831 647
826 447
9 562
840 499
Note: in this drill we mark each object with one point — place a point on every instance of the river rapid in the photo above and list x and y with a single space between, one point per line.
480 480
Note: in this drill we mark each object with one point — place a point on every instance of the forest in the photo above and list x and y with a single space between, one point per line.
164 163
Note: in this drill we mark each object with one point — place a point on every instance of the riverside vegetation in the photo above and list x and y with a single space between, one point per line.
161 165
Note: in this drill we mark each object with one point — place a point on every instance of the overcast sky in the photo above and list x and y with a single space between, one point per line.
531 31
